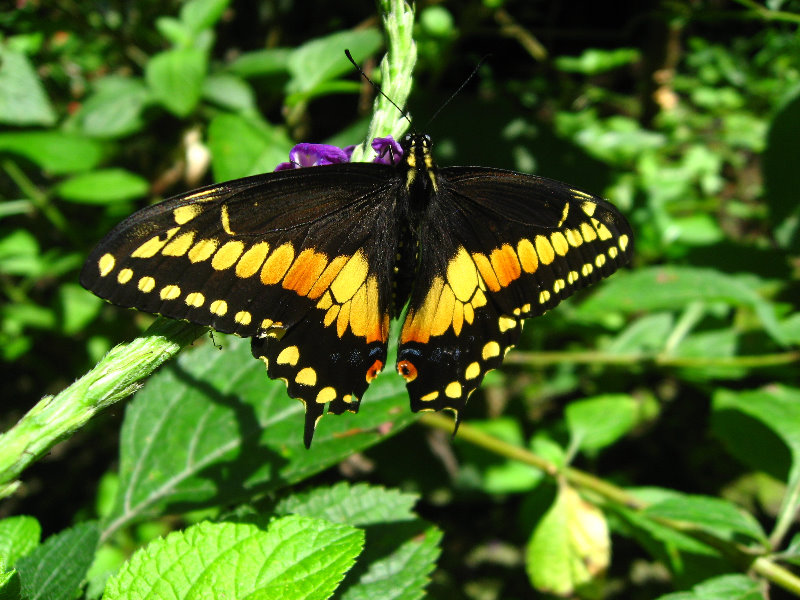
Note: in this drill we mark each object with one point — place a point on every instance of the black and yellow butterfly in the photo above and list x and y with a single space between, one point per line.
313 263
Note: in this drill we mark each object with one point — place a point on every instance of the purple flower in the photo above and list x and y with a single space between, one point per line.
302 155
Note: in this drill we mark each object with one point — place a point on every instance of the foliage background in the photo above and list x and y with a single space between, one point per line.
682 374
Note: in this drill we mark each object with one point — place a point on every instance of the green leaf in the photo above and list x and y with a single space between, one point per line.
595 423
357 505
55 569
115 109
103 187
18 537
295 558
400 550
714 515
594 61
323 59
54 151
673 288
23 100
212 429
242 146
724 587
569 549
198 15
230 92
19 253
78 307
261 63
176 79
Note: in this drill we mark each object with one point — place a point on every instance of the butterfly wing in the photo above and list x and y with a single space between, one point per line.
297 260
497 247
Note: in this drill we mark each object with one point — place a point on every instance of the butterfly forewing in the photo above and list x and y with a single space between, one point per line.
497 247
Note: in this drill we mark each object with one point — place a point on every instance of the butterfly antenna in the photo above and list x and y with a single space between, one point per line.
375 85
461 87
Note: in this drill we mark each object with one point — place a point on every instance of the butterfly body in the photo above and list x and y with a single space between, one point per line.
312 263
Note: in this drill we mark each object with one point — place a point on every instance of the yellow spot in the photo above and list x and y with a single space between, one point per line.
226 221
170 292
580 194
573 237
559 243
623 242
184 214
350 278
326 302
326 394
146 284
473 370
487 273
430 397
151 247
588 207
266 323
544 250
564 214
331 315
343 320
106 264
307 376
490 350
559 285
203 195
277 264
572 277
443 317
544 296
305 271
612 252
505 264
203 250
219 307
243 317
600 260
453 390
602 231
479 299
180 245
587 269
195 299
469 313
458 317
324 281
251 261
527 256
588 232
505 323
417 326
347 398
289 356
124 276
462 275
227 255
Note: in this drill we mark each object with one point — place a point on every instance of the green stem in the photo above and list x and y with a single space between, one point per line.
114 378
740 555
770 15
36 196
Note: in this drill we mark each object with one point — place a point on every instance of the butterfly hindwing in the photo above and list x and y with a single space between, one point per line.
497 247
297 260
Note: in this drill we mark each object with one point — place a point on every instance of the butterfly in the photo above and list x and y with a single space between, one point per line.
313 263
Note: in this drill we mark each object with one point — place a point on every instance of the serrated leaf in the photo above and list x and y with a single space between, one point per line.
115 109
400 550
323 59
295 558
57 152
724 587
18 537
103 187
176 79
570 548
55 569
714 515
595 423
212 429
23 100
242 146
356 505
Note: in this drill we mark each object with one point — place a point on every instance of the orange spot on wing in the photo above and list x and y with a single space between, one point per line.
305 271
505 264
